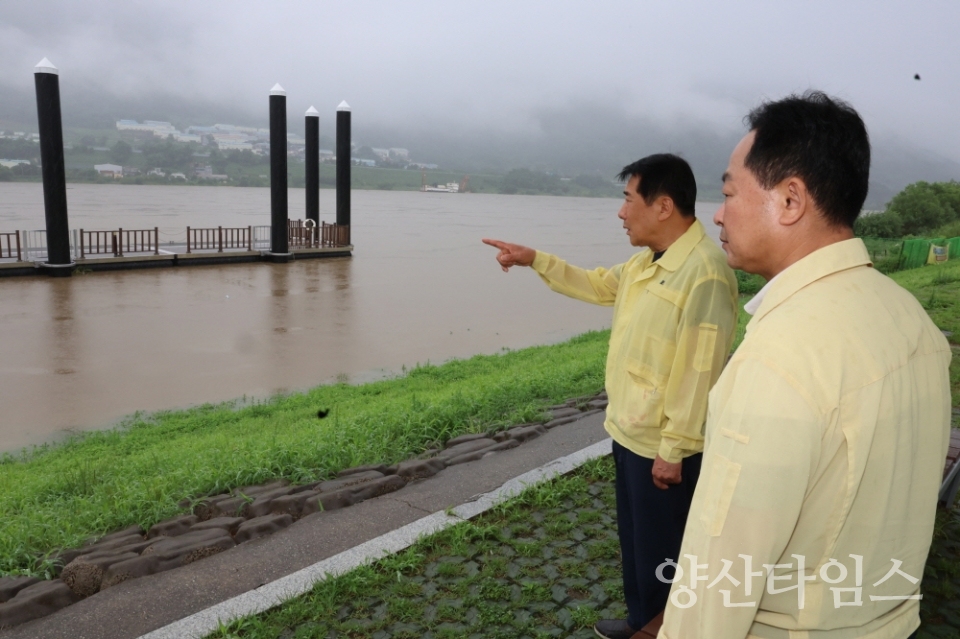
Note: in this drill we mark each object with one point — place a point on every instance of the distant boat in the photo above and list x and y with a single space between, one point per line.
449 187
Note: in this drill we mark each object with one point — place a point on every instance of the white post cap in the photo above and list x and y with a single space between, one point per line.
343 106
277 90
312 113
45 66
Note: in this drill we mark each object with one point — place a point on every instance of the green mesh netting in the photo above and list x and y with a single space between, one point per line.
914 253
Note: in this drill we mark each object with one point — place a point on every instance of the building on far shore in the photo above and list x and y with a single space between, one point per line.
12 163
109 170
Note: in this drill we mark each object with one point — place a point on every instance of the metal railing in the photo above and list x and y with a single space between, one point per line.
334 234
119 242
219 238
10 245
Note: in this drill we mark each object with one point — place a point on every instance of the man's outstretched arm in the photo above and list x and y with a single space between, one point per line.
598 286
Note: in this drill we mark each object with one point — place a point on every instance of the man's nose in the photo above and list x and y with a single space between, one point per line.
622 213
718 216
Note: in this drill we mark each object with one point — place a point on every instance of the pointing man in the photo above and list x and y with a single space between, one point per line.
827 432
674 316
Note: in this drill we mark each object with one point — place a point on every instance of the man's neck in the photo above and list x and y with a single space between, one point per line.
671 234
807 245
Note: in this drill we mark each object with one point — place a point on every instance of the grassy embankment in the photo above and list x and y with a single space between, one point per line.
59 496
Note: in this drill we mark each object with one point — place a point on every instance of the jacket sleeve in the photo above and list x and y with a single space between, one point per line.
704 338
762 450
598 286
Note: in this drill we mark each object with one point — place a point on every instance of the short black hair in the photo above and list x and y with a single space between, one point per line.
821 140
664 174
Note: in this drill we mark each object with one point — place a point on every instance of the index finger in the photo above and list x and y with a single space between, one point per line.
495 243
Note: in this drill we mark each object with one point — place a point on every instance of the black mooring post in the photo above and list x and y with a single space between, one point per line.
312 164
279 233
343 164
47 80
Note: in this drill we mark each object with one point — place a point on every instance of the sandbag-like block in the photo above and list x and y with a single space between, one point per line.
469 437
419 468
84 574
126 532
261 527
560 421
291 504
10 586
254 491
322 502
377 487
115 542
188 548
526 433
208 507
597 403
477 454
380 468
130 569
263 504
557 413
466 447
333 485
38 600
232 507
229 524
172 527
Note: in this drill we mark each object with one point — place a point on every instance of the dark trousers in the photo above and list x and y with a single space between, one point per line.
650 523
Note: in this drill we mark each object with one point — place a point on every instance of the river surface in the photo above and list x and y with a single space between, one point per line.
80 353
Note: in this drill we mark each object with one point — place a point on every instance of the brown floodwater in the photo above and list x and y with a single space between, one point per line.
80 353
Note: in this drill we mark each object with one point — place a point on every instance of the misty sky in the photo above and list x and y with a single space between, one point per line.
496 65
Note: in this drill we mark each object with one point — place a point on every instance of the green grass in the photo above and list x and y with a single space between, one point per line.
478 577
58 496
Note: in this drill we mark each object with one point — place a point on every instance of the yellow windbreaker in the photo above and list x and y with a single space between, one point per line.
673 325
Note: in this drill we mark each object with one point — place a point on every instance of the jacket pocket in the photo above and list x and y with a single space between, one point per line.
643 397
721 481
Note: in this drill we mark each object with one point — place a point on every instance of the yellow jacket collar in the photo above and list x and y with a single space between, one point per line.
831 259
676 254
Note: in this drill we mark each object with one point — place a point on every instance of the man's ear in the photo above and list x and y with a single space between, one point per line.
794 200
665 208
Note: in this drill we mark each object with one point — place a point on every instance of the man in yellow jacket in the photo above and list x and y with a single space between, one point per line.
827 431
674 317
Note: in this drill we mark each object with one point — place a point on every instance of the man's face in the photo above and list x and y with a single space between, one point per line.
639 218
748 214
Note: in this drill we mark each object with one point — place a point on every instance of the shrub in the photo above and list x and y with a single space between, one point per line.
887 224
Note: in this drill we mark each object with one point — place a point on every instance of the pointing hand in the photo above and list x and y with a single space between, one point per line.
512 254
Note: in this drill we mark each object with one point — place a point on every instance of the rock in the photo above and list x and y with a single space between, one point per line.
327 501
262 526
469 437
557 413
477 454
10 586
38 600
229 524
333 485
263 504
562 420
380 468
84 574
172 527
466 447
420 468
377 487
525 433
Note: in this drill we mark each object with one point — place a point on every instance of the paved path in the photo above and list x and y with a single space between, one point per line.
137 607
